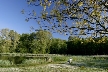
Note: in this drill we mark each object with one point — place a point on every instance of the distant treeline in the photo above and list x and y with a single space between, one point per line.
42 42
88 46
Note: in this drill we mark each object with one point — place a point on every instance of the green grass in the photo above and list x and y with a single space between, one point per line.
79 64
33 61
5 63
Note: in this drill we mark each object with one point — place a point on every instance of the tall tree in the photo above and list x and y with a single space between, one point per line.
77 17
14 38
9 40
24 44
5 33
58 46
35 42
5 43
42 41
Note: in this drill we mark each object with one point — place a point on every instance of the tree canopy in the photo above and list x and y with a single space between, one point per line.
8 40
74 17
42 42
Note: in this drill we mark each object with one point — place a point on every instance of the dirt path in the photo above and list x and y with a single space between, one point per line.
61 66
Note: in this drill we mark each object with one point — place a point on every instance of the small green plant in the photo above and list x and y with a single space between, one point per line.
34 61
59 58
5 63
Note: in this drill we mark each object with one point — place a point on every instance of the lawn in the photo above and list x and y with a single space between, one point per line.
52 63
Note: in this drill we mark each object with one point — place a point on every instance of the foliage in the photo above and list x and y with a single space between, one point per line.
42 42
59 58
9 40
58 46
36 42
34 61
78 17
5 63
24 44
14 37
88 46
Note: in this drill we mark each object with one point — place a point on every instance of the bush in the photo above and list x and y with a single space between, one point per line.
33 61
5 63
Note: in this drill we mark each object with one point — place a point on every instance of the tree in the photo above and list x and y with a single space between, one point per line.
24 44
42 42
77 17
5 33
58 46
70 38
5 43
14 38
35 42
9 40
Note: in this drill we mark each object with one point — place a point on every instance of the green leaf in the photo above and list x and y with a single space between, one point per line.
80 3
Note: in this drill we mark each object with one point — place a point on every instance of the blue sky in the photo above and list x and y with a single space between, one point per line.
11 17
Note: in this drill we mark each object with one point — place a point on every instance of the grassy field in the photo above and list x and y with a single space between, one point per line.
53 63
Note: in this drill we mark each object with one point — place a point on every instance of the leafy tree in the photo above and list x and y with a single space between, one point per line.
78 17
5 33
35 42
24 44
9 40
14 38
70 38
58 46
5 42
42 41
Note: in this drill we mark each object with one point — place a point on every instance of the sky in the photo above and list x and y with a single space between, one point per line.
12 18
